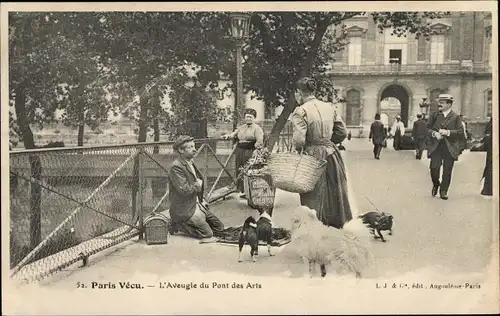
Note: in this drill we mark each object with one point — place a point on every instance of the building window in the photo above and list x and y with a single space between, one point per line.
353 105
488 50
395 56
437 49
355 51
488 104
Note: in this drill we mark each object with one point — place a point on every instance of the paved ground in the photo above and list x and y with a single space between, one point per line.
453 236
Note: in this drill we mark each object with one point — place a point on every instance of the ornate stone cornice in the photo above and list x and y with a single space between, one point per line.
440 28
355 30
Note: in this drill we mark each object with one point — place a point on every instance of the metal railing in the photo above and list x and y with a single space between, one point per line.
406 69
67 204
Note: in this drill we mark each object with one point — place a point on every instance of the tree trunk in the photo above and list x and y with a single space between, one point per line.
35 169
156 120
143 119
156 128
81 130
81 110
291 103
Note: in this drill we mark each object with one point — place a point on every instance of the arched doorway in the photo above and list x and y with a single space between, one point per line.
398 92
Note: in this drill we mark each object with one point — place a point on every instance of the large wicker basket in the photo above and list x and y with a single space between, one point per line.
293 172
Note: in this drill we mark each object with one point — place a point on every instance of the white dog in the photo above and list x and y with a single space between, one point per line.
317 244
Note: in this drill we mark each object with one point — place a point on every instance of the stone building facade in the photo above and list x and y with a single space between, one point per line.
383 73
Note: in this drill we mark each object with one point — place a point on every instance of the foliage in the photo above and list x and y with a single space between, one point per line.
257 164
76 61
404 23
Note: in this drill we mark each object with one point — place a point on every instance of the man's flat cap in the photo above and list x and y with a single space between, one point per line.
181 140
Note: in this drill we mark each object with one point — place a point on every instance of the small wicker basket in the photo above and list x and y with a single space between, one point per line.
156 226
293 172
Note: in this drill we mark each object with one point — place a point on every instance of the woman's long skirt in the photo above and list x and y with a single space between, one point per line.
330 198
488 175
241 156
397 140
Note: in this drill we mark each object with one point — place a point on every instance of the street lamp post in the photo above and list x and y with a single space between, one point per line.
424 105
240 23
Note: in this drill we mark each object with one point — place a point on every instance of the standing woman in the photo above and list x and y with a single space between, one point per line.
488 167
317 129
249 136
397 131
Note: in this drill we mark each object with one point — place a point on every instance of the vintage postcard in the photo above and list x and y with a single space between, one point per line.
250 158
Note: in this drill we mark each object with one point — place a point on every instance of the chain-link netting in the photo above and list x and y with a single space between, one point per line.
210 158
67 204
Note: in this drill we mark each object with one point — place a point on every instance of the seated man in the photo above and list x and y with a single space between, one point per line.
188 209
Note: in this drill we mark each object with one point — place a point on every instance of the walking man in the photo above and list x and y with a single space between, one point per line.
377 136
397 130
188 209
445 131
419 134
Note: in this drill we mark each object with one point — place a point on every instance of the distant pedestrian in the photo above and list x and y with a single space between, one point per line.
419 134
397 130
488 167
445 131
377 136
463 139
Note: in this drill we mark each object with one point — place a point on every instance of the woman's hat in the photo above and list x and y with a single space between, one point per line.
250 111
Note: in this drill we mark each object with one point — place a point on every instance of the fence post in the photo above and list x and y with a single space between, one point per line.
205 176
35 202
141 194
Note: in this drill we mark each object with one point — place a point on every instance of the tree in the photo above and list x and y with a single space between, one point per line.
282 48
35 51
295 44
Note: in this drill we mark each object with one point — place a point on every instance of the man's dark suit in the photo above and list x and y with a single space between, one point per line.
377 135
184 197
419 133
445 151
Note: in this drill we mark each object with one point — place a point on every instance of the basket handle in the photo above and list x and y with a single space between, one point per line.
323 163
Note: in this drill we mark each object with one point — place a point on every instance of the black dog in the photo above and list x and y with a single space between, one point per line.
378 222
253 231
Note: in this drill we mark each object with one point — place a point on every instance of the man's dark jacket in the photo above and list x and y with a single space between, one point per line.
377 133
453 123
182 192
419 129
